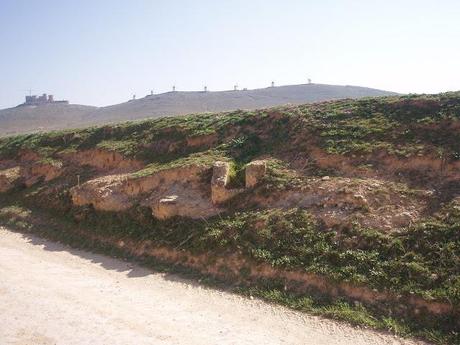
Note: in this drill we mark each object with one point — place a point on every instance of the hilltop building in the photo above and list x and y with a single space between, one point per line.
43 99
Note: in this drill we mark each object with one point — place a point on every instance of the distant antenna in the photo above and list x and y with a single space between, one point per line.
205 89
174 88
29 91
273 84
235 87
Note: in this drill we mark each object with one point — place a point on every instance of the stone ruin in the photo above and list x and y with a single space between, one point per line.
43 99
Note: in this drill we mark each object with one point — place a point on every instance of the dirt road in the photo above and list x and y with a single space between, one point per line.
51 294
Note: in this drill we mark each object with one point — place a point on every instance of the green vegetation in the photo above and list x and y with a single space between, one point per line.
353 313
422 259
404 126
401 126
286 239
125 147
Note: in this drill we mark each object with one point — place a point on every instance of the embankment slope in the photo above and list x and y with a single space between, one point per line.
349 208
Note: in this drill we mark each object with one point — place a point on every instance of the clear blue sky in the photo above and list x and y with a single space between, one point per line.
101 52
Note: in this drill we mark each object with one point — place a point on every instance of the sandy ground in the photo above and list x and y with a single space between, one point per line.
51 294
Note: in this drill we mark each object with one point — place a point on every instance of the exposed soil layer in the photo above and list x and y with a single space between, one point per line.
353 199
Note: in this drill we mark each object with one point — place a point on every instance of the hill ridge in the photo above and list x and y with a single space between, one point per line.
28 119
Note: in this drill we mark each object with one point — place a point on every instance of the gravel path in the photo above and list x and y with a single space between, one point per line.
51 294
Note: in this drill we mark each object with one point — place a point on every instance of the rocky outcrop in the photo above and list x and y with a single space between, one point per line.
166 207
181 191
187 203
103 160
339 202
102 193
178 191
220 179
255 171
171 192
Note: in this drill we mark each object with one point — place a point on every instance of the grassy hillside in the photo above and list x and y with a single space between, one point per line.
57 116
347 208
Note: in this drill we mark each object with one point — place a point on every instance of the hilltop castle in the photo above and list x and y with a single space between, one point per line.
43 99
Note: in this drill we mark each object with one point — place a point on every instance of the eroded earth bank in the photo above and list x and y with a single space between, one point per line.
348 209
